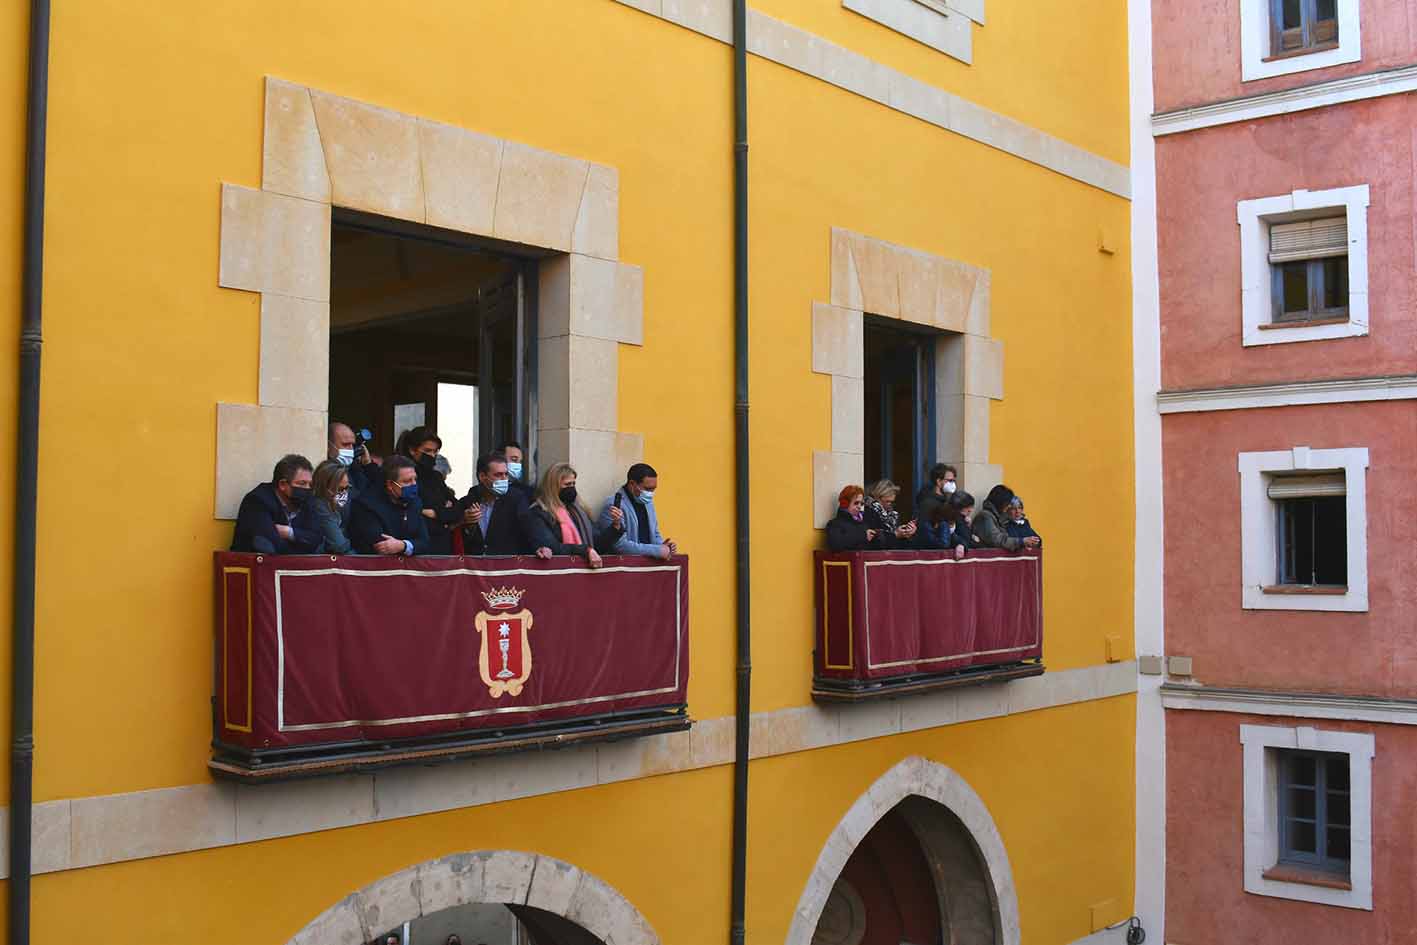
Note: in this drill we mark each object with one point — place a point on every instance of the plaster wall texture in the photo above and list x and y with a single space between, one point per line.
1196 50
1369 142
1372 653
1205 896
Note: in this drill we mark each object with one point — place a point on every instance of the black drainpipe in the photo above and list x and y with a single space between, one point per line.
742 710
26 486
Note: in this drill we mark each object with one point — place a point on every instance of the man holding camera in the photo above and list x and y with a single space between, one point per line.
353 452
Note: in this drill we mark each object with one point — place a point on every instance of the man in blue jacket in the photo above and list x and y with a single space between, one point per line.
273 518
389 520
629 515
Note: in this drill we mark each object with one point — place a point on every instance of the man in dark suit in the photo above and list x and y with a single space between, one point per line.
492 511
273 518
389 520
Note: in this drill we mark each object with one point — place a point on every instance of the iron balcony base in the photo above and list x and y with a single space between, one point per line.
866 690
261 766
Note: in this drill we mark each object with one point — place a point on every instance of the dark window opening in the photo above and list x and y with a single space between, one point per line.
1302 26
1313 541
426 330
900 407
1314 811
1311 289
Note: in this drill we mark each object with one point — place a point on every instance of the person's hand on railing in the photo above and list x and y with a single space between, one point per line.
663 552
673 546
959 552
1032 541
593 558
389 545
543 553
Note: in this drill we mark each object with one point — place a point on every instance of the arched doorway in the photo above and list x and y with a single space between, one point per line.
917 860
547 902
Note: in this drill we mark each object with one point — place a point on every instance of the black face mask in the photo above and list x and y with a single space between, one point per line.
425 461
567 495
299 494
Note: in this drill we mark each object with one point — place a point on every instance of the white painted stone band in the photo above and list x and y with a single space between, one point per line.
1299 705
1352 89
814 56
113 828
1300 393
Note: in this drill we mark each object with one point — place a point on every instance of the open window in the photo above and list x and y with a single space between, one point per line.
430 328
900 412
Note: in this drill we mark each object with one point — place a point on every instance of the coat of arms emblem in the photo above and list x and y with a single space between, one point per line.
504 658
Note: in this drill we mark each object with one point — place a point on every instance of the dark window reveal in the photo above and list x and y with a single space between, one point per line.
1314 816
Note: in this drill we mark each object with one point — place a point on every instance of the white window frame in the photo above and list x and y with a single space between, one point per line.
1255 39
1261 775
944 25
1259 530
1257 284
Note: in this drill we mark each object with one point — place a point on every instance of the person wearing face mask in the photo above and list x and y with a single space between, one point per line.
441 508
848 531
492 511
363 472
963 504
941 485
556 523
329 506
273 518
629 520
517 473
389 520
991 524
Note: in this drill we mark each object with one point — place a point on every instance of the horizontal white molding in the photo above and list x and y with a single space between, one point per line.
114 828
1299 705
814 56
1248 108
1294 394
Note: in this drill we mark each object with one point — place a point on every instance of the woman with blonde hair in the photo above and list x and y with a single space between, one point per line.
556 522
881 515
329 505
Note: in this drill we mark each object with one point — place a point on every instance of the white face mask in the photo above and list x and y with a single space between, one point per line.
949 486
514 470
345 457
342 498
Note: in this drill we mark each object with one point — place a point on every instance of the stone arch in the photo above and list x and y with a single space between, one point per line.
872 276
488 876
920 787
323 152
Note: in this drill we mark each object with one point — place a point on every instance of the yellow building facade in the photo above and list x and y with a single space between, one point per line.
967 178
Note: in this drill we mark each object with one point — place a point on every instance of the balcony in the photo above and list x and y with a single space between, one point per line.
329 664
891 623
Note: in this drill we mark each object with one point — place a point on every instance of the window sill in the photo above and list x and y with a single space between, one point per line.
1303 323
1334 590
1283 873
1294 53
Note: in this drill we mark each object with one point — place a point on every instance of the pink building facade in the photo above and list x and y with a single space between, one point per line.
1285 148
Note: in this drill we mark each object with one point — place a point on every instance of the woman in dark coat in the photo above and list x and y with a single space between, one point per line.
555 523
848 530
991 525
881 514
441 507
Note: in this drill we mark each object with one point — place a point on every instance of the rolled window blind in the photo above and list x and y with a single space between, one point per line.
1306 487
1308 239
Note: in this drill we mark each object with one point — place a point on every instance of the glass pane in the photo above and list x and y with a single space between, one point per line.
1330 544
1338 843
1336 282
1294 286
1301 770
1337 809
1301 802
1325 28
1337 771
1291 14
1327 10
1301 837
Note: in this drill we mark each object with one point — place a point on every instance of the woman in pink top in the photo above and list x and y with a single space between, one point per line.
556 522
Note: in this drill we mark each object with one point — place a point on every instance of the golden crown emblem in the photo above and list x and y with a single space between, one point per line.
503 598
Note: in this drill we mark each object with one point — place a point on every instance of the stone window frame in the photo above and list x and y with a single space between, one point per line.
1259 529
323 151
1255 217
1256 61
870 275
1261 811
943 25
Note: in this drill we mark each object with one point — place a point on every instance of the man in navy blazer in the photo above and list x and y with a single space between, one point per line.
389 520
493 507
273 518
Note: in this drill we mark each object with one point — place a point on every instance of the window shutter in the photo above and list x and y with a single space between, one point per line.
1308 239
1305 487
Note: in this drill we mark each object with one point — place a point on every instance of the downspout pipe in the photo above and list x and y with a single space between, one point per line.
742 707
26 485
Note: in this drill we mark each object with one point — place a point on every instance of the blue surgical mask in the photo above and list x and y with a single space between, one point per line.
514 470
409 492
345 457
646 495
500 486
